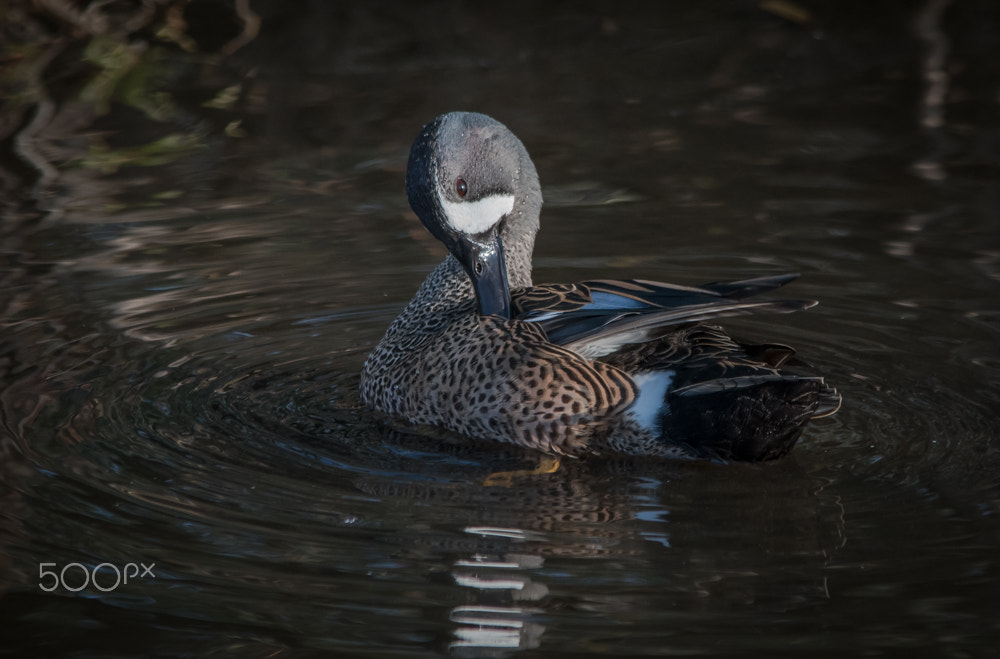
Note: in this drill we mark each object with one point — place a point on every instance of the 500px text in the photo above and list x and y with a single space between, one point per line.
105 577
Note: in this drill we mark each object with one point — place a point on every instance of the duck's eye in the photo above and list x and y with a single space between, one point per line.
461 187
479 266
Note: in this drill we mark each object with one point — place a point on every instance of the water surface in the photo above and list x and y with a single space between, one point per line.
184 323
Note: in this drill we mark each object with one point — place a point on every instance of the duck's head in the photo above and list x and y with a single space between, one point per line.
472 184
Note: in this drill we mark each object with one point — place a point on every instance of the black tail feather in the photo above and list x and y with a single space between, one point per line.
749 421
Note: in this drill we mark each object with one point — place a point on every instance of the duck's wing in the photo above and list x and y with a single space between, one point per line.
596 318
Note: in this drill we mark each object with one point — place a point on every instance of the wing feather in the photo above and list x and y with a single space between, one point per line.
595 318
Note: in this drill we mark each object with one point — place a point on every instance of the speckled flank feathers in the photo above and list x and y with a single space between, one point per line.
598 367
443 364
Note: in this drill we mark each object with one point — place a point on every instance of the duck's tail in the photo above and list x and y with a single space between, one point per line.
746 418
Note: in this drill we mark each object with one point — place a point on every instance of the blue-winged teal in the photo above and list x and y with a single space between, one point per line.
598 367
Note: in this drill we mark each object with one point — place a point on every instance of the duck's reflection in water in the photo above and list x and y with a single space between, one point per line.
541 560
502 617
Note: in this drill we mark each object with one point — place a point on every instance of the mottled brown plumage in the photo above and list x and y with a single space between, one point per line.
442 364
597 367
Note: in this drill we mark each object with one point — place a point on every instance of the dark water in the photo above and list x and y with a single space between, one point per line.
189 292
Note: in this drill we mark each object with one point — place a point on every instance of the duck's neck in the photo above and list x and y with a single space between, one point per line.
520 227
517 254
447 291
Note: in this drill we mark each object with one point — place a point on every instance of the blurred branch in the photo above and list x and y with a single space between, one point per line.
24 142
89 21
175 27
118 63
251 27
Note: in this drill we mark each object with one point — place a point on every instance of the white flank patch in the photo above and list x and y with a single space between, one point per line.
650 404
475 217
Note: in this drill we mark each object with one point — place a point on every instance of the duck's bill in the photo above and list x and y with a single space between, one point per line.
483 259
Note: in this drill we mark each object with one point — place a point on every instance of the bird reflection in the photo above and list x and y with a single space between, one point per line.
704 537
501 617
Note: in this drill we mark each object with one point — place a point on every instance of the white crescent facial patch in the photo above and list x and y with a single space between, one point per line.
474 217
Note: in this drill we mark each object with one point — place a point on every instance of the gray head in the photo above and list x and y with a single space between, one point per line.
472 184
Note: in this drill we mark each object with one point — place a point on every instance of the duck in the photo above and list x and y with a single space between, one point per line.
594 368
